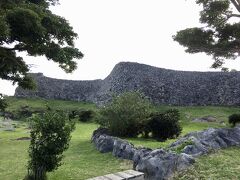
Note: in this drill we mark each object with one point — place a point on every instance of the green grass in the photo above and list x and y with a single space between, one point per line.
38 103
222 165
83 161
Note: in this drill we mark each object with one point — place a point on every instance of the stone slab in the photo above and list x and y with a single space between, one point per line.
125 175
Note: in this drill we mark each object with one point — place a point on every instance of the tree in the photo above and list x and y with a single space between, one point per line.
29 26
126 114
220 35
50 136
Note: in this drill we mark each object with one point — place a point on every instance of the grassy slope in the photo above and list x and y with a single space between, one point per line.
16 103
83 161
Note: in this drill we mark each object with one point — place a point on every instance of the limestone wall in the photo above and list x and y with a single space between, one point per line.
162 86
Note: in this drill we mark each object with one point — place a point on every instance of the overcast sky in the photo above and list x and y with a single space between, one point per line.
111 31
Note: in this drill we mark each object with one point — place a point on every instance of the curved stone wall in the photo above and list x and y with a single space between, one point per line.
162 86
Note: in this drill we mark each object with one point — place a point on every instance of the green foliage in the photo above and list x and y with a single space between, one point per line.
82 115
220 34
29 26
50 136
125 114
234 119
165 125
85 115
3 103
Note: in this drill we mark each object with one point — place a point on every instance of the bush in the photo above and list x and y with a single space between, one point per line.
85 115
126 114
165 125
25 112
3 103
73 114
234 119
50 136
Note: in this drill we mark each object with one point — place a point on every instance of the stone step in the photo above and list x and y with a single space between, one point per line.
124 175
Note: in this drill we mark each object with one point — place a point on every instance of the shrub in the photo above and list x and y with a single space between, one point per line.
3 103
85 115
165 125
73 114
50 136
234 119
24 112
125 114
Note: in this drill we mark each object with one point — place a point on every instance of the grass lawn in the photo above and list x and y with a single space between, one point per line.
83 161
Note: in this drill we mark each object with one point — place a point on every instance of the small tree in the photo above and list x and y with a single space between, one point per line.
165 125
50 136
125 114
234 119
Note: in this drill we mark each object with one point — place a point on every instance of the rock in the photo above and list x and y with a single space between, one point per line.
123 149
102 140
198 143
105 143
206 119
98 132
9 129
160 164
23 139
139 154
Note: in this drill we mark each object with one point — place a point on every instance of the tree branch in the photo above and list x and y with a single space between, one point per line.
234 15
236 4
14 49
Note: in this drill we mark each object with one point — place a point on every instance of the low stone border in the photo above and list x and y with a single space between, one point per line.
161 164
125 175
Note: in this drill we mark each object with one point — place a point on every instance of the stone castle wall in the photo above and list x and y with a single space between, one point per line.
162 86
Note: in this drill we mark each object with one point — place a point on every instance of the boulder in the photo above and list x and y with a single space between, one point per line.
202 142
161 164
123 149
139 154
104 143
206 119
